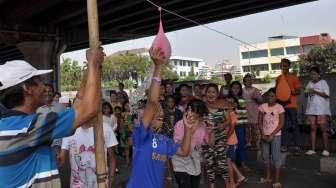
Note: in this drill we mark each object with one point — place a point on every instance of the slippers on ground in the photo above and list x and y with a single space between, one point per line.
242 181
276 185
265 180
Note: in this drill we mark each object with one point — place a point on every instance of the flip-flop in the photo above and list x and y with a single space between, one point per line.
242 181
276 185
264 180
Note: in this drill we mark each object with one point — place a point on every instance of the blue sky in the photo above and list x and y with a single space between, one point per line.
300 20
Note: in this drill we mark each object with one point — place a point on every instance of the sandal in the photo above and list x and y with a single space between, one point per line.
264 180
241 181
276 185
284 149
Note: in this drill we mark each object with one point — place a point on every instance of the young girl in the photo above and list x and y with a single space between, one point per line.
108 118
236 92
232 147
271 119
188 169
171 116
318 109
253 98
215 152
126 132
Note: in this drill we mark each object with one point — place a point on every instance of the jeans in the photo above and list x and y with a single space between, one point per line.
291 122
271 151
241 150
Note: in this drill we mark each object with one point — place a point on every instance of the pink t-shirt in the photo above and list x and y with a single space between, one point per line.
199 138
271 117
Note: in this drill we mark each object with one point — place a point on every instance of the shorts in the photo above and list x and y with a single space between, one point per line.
272 151
231 152
317 119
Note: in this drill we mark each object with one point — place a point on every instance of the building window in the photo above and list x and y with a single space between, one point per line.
189 64
184 63
275 66
253 68
180 62
293 49
196 64
246 68
254 54
182 73
277 51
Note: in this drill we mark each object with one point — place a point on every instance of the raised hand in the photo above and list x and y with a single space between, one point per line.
95 56
157 56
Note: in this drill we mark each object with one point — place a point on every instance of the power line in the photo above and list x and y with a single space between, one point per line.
202 25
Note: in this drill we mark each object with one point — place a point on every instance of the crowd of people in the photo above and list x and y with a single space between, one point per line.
181 132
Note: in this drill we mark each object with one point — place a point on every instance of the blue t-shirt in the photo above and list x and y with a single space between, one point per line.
150 153
26 158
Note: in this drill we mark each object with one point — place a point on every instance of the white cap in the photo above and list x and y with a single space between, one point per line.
64 100
17 71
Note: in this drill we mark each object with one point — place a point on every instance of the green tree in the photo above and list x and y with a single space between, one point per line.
71 75
217 80
267 79
168 73
191 75
238 78
322 56
126 66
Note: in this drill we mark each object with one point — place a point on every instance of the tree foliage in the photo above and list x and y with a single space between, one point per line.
191 75
323 56
217 80
128 68
71 75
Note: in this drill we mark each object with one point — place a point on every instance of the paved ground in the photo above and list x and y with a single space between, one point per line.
300 172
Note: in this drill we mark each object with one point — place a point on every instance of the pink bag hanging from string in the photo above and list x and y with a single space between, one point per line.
161 41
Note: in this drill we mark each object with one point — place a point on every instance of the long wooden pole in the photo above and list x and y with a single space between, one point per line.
92 11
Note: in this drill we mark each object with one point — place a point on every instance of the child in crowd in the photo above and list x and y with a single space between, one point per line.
236 92
253 98
125 131
188 169
271 119
150 148
232 147
215 151
108 118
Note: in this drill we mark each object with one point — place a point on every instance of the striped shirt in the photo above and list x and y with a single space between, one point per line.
26 158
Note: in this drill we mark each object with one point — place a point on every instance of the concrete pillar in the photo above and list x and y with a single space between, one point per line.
43 55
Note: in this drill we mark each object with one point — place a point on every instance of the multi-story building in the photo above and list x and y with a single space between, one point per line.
184 65
264 58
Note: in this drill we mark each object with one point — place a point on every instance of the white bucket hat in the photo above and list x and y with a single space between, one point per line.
17 71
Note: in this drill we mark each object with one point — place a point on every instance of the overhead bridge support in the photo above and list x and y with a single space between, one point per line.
44 55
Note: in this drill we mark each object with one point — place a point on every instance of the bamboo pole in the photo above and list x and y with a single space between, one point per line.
101 172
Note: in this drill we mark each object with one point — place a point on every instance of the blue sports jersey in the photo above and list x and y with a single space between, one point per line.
26 158
150 153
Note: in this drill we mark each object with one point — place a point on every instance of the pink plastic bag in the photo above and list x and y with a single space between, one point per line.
161 41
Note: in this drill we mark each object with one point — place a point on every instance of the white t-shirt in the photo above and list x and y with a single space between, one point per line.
111 121
317 105
82 156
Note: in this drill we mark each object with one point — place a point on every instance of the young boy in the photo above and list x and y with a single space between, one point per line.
271 120
151 149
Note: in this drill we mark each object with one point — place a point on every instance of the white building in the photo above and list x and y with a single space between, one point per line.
264 58
183 65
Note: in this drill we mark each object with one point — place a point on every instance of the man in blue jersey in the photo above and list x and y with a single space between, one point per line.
26 157
151 150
